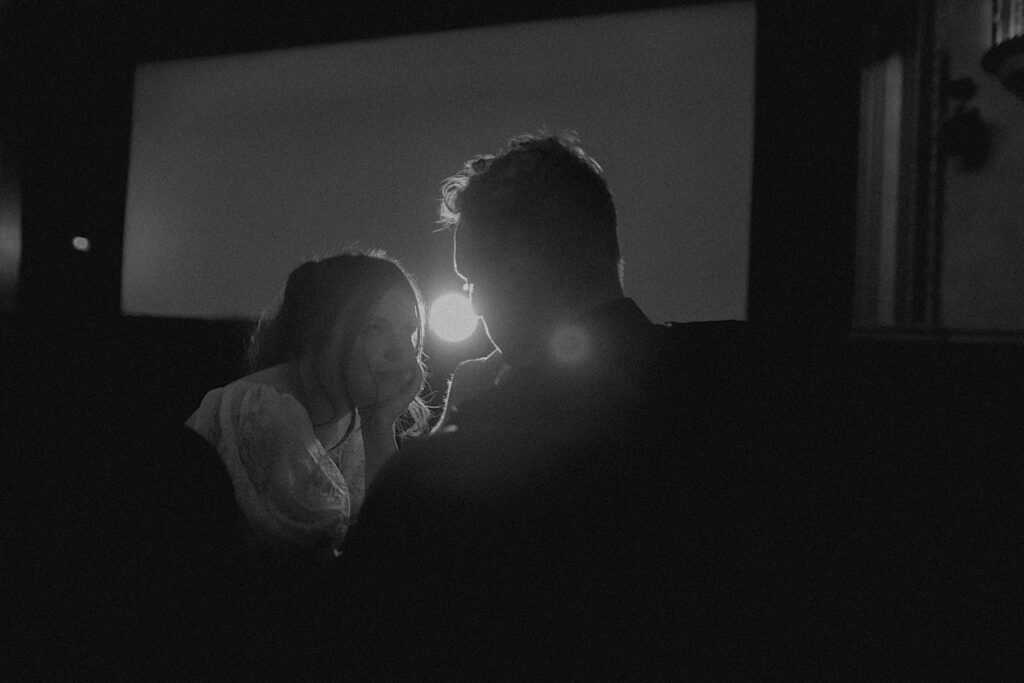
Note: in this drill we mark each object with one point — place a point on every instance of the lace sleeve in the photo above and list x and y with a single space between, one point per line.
286 486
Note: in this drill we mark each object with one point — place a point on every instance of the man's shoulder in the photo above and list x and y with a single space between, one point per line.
702 348
719 345
708 332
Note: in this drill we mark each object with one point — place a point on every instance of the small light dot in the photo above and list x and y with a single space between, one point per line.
80 243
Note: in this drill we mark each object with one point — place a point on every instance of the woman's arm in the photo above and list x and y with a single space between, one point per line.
378 424
379 444
285 491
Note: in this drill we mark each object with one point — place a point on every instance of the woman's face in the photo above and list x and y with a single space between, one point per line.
383 358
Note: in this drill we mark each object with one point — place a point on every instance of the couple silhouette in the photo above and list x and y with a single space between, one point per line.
603 497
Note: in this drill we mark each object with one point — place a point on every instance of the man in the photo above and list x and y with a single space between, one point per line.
593 503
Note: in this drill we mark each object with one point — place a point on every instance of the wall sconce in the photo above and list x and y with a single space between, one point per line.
1005 58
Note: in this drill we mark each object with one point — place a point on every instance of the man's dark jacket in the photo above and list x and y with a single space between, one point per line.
638 512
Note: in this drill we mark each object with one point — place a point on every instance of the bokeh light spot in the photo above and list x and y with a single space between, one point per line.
570 345
451 318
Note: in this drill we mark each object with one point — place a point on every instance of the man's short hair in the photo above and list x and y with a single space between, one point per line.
543 195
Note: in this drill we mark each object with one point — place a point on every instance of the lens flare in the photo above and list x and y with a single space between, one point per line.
451 318
570 345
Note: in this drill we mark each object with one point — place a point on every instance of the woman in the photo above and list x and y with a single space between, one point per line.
336 372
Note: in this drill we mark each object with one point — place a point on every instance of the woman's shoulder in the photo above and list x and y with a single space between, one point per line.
264 395
261 392
275 376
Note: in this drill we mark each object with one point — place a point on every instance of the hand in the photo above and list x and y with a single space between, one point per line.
471 377
383 415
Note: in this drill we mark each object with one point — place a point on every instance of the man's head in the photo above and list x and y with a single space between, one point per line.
535 236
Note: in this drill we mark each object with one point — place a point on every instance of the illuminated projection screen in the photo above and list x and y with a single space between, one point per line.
242 166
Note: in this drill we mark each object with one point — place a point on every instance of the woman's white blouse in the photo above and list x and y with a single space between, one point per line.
290 488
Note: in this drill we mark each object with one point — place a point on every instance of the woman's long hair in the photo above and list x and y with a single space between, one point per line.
318 294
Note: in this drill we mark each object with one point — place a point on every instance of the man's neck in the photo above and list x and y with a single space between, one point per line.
563 327
580 304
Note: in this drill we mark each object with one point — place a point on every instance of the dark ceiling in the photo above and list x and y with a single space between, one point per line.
149 30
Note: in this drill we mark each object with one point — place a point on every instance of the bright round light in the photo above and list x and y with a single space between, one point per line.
451 318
